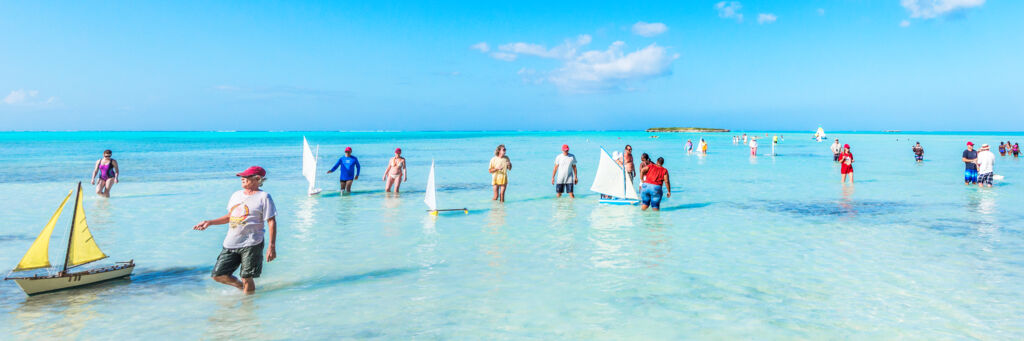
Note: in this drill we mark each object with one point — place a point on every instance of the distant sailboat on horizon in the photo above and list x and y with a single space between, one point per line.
820 135
430 198
309 161
611 180
81 250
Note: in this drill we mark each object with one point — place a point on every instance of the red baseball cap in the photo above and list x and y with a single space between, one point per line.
254 170
846 145
969 143
398 150
565 147
348 149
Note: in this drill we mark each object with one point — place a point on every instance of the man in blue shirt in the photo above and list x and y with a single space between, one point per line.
349 170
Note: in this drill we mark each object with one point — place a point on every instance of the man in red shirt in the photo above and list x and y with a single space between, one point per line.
651 188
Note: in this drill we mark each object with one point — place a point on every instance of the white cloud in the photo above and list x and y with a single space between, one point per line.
766 18
481 46
821 11
729 10
649 29
28 97
928 9
565 50
508 57
594 71
905 23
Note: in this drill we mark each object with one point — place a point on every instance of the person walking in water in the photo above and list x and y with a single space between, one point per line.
970 158
753 146
918 152
1016 150
564 174
349 170
395 173
499 167
703 146
836 148
689 146
655 182
846 163
108 173
986 160
627 162
249 210
1002 149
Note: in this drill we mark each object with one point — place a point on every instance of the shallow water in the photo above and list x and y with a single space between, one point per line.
772 247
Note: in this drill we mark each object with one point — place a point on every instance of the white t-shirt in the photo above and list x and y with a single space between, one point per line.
986 159
835 148
247 216
564 173
753 143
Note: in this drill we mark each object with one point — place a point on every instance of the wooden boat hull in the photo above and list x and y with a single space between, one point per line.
44 284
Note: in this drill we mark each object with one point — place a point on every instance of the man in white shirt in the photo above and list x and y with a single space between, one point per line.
249 209
564 174
835 150
986 159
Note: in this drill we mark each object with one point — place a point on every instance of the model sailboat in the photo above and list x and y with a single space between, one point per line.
82 249
431 197
819 135
612 181
309 160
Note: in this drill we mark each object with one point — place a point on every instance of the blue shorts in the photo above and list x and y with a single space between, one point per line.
563 188
971 175
919 157
650 195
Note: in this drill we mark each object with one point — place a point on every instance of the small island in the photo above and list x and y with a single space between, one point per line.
686 130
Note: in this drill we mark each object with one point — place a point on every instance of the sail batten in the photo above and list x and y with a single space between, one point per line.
431 197
81 246
38 255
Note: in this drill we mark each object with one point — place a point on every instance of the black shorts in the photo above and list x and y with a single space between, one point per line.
250 258
563 188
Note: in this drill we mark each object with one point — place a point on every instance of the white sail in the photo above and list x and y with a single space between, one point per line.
431 197
611 179
309 166
820 133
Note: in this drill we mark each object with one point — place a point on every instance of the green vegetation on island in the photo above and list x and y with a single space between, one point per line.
686 130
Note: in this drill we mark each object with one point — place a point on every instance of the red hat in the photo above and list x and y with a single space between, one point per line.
565 147
348 149
254 170
846 145
969 143
398 150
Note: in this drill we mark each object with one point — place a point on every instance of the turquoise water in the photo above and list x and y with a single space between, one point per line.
767 248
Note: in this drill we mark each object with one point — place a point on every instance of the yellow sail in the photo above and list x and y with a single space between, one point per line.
82 248
38 255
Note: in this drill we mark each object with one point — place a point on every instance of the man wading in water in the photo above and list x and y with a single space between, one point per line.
248 209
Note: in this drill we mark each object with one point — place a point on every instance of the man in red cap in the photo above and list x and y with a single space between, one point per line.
564 174
970 158
349 170
395 172
248 210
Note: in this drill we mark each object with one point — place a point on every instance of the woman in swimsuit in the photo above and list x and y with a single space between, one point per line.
499 167
108 172
395 173
846 162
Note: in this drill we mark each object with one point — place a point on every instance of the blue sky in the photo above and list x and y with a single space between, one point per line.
773 65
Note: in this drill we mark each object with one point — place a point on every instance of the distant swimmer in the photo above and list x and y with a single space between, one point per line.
744 138
702 146
918 152
970 158
108 173
835 150
655 182
689 146
753 146
846 163
248 210
1016 150
986 160
564 175
499 167
395 173
1002 149
350 170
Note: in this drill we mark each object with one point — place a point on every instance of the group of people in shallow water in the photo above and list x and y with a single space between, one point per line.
251 212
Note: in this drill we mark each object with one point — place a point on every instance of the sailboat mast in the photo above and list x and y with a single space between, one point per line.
71 230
